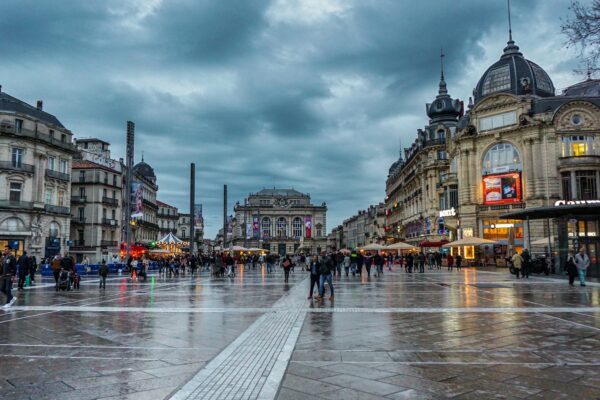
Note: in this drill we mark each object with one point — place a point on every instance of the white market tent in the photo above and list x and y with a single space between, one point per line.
373 247
400 246
469 241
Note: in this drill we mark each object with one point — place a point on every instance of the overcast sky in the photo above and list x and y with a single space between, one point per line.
310 94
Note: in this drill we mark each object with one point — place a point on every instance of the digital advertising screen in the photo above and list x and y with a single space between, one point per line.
502 188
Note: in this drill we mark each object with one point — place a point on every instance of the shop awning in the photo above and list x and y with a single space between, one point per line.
557 211
428 243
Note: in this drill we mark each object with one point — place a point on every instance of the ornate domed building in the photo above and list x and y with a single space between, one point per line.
418 183
520 147
144 183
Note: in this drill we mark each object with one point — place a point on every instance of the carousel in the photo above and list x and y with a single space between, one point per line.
170 245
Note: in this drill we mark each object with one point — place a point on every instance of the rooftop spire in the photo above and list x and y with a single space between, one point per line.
443 90
142 155
511 48
510 39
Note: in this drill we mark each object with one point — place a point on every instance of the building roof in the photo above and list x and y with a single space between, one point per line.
161 204
12 104
85 164
144 170
514 74
587 88
280 192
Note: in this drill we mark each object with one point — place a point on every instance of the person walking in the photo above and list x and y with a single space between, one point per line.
55 265
33 270
422 262
326 267
23 268
582 261
360 260
458 262
9 269
103 272
270 263
314 270
368 263
517 262
571 267
286 264
409 263
450 261
526 263
346 263
230 262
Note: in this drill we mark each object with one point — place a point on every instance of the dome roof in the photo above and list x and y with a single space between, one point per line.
514 74
587 88
443 107
144 170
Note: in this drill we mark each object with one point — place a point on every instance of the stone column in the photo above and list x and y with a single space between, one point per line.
597 183
573 183
537 172
527 163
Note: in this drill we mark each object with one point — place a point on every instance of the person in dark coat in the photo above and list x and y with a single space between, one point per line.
360 260
9 270
409 263
315 267
368 263
23 269
103 272
571 267
458 262
286 264
325 270
33 269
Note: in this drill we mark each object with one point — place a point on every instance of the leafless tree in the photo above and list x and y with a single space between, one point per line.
582 28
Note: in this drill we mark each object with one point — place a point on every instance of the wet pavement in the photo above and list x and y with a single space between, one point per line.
434 335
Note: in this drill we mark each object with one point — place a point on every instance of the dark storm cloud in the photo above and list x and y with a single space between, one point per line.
311 94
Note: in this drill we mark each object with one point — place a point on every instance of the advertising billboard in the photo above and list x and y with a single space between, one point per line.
198 219
137 190
502 188
308 226
255 226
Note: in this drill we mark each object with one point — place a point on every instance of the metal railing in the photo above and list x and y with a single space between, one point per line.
27 133
78 220
110 200
109 221
57 209
109 243
78 199
58 175
16 204
17 166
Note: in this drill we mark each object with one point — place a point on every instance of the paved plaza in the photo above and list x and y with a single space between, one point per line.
469 334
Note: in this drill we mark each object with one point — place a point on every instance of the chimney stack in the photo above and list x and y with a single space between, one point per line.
39 105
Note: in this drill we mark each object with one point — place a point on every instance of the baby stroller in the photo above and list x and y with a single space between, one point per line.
63 280
75 278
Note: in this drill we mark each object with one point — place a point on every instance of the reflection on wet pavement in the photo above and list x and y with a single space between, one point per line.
433 335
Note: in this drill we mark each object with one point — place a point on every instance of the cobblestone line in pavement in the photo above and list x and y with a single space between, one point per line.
252 366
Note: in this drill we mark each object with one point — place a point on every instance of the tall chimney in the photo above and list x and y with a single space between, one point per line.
39 105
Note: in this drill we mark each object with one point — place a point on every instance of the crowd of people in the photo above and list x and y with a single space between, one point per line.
322 267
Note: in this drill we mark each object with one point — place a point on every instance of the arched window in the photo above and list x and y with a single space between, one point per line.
502 157
12 225
297 227
54 230
441 134
266 227
281 227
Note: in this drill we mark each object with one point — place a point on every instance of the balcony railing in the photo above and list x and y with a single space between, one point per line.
78 220
434 142
78 199
56 209
109 221
95 180
26 133
58 175
109 243
16 204
14 166
110 200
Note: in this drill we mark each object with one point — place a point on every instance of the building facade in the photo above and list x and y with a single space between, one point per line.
520 146
283 221
36 153
96 202
167 219
366 227
422 181
145 213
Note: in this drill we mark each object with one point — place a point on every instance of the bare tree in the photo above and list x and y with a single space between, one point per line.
583 32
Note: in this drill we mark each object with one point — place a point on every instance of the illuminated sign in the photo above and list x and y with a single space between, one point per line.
502 188
559 203
448 213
